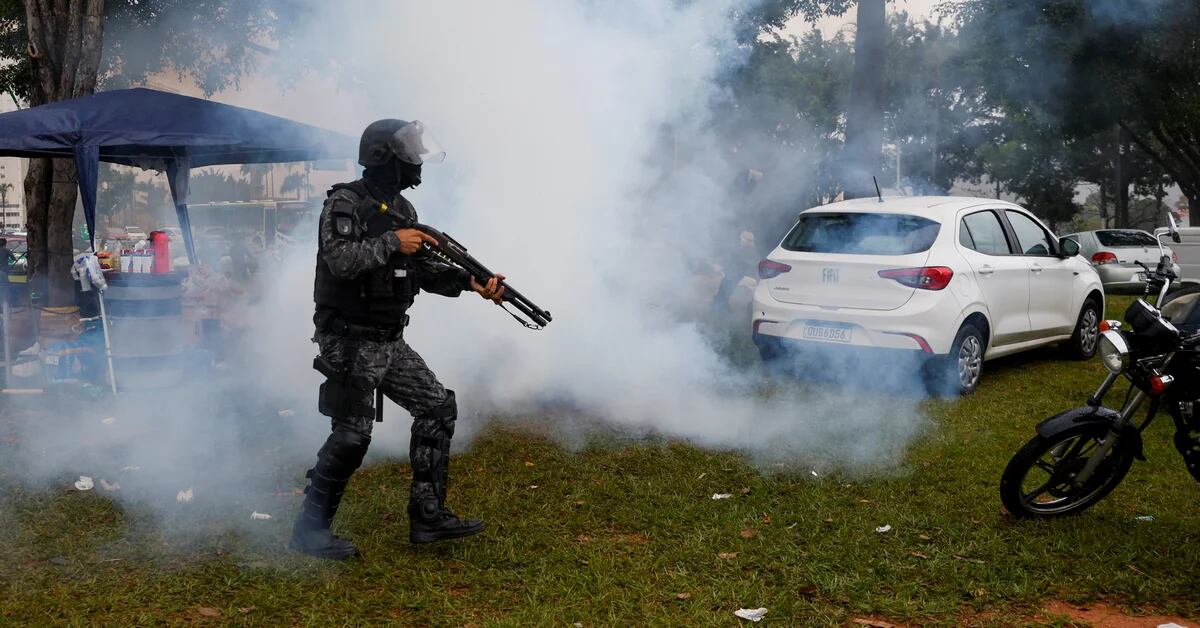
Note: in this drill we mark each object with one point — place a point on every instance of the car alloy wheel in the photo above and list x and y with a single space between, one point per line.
970 361
1089 330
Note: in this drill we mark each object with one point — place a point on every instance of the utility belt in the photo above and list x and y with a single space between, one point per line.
389 333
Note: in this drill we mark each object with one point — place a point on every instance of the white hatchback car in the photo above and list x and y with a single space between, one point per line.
952 281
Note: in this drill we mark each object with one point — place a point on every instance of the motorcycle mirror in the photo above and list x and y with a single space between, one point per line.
1174 228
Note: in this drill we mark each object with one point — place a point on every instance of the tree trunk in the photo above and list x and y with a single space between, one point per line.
1174 156
59 240
65 41
864 120
37 203
1104 205
1121 179
1160 193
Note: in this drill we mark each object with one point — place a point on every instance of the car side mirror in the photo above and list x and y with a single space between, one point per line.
1068 247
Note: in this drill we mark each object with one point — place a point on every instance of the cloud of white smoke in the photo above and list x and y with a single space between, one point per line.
581 164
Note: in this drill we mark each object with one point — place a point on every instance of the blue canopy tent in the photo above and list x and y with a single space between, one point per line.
161 131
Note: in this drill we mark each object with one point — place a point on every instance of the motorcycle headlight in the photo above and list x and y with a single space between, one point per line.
1114 351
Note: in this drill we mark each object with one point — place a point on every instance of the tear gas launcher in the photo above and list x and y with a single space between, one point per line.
452 252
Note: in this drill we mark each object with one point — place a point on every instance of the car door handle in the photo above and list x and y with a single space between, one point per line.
986 270
1035 269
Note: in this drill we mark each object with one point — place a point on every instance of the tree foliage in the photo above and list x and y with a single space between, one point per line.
1031 97
1078 69
54 50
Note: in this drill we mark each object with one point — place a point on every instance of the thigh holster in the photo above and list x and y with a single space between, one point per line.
342 394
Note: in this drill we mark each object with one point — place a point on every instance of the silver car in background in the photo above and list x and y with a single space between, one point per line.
1115 253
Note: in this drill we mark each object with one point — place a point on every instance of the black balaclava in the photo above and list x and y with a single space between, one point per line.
394 176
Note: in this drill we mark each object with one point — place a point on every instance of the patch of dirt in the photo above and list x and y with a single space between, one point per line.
1100 615
634 538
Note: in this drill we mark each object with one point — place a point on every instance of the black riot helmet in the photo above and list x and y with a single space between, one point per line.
403 145
409 142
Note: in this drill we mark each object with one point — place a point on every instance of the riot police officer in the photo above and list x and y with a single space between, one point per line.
370 267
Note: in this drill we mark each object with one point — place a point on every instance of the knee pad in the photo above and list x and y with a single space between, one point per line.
343 453
444 414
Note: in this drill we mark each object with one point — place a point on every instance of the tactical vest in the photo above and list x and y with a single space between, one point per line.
378 297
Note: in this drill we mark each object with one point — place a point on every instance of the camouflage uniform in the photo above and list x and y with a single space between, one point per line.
364 285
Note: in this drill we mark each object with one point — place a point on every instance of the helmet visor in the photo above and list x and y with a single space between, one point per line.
414 144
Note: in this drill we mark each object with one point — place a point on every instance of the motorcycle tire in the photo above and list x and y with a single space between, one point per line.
1073 444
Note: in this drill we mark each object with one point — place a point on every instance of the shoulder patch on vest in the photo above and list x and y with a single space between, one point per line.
344 225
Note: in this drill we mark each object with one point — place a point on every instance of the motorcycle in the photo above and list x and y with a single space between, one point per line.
1079 456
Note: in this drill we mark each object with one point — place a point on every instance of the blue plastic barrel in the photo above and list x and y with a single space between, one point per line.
145 326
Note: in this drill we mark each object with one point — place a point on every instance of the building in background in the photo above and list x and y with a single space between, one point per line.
12 183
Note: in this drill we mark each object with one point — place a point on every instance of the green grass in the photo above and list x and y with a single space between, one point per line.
616 531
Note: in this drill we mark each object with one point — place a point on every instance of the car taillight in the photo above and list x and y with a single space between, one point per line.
768 269
1104 257
927 278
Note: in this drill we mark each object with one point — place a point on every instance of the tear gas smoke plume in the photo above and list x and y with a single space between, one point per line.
581 164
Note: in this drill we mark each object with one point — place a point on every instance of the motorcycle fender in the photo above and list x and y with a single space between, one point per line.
1076 416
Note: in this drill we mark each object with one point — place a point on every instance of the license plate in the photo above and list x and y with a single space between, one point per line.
827 333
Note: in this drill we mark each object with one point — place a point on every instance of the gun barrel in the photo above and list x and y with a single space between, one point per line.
455 252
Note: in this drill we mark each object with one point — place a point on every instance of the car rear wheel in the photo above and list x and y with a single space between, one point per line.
958 372
1082 345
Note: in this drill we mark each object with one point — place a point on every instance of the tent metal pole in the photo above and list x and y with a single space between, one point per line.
7 349
112 374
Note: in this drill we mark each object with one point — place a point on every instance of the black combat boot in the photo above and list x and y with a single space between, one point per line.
429 519
336 462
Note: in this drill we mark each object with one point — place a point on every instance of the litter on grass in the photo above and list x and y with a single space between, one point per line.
259 516
722 495
883 529
753 614
184 497
84 483
1144 518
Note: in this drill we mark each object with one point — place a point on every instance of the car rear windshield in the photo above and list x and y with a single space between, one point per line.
861 234
1125 238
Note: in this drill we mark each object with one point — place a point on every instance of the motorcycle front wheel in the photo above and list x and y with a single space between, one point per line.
1039 481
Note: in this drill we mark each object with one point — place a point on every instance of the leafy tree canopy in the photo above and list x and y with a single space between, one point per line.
211 43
